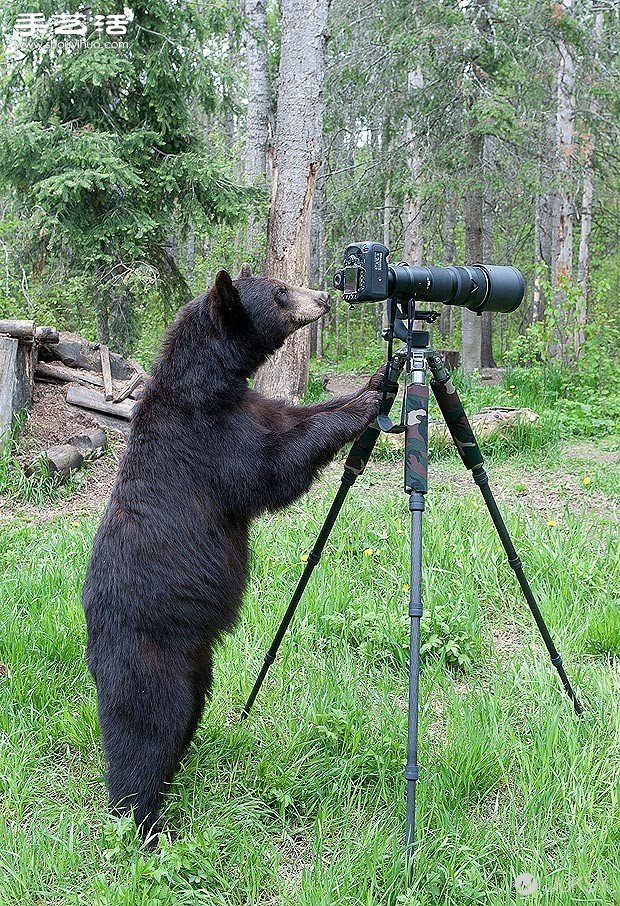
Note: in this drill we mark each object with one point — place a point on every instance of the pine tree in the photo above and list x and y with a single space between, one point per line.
102 153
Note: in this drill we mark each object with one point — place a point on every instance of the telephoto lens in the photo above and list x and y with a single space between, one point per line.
478 288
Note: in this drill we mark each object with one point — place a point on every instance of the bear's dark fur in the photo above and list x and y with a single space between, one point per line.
168 569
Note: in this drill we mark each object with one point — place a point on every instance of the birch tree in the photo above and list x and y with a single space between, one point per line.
587 199
562 230
412 206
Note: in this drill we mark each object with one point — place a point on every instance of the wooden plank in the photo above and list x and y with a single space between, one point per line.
91 399
63 373
24 376
108 422
129 387
20 330
104 352
8 381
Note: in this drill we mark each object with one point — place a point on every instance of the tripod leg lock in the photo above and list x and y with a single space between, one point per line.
415 609
348 477
412 772
556 661
416 502
480 476
515 562
269 658
313 558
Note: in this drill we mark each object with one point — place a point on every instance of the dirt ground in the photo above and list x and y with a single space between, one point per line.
549 488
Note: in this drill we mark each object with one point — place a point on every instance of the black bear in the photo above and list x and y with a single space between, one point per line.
205 455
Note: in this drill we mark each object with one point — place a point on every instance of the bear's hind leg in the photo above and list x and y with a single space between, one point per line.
144 737
202 683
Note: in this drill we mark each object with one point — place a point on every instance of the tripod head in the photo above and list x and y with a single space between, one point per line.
401 317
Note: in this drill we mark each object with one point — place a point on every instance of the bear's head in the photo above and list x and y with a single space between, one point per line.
257 314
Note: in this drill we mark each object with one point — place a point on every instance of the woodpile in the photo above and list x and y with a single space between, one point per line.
98 382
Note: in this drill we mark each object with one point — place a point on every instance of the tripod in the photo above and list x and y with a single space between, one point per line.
416 359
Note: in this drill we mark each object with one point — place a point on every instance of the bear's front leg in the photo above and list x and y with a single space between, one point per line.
301 413
314 439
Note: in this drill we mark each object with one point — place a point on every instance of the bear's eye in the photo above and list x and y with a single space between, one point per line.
281 296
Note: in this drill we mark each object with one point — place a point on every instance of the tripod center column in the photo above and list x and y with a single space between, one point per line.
416 485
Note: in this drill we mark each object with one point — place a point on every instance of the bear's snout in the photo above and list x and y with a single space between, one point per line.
308 305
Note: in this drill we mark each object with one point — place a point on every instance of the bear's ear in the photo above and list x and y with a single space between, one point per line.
225 301
245 271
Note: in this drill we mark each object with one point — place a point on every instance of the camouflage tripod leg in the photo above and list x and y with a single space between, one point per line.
469 451
355 464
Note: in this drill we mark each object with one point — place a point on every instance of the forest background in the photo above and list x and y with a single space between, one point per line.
138 159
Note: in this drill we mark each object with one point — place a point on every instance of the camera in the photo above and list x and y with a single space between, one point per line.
366 276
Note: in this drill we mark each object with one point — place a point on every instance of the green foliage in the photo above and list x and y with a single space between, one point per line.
104 154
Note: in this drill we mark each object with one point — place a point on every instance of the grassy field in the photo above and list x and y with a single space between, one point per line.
304 803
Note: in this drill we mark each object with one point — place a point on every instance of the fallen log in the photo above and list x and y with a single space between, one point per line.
91 399
488 422
60 460
91 444
19 330
46 335
104 354
63 373
78 353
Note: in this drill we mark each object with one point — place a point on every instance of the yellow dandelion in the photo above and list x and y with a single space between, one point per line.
587 480
551 523
368 552
406 588
303 558
75 524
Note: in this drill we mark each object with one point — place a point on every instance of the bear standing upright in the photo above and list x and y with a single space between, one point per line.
168 570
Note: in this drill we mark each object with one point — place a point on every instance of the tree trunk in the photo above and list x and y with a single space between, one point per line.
412 206
446 318
543 217
542 253
380 307
296 159
583 266
190 255
471 323
562 236
488 151
258 112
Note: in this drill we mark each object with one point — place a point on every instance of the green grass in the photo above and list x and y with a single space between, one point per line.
303 804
